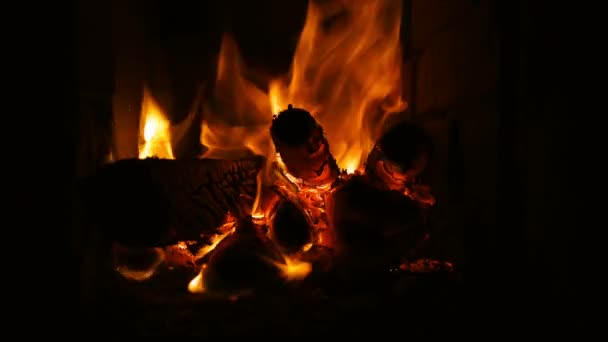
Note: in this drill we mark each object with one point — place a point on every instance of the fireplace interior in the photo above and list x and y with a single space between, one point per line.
295 168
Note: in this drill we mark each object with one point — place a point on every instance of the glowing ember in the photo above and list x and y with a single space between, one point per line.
179 255
426 265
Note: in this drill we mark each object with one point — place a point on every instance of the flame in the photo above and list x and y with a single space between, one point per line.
239 116
256 208
155 130
348 74
294 269
346 71
197 285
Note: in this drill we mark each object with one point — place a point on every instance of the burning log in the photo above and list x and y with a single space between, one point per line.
373 227
136 263
291 228
245 260
157 202
303 148
398 159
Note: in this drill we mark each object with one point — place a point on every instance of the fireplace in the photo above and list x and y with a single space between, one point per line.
249 188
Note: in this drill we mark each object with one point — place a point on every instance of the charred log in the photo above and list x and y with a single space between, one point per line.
373 227
243 261
303 148
291 228
398 159
134 260
154 202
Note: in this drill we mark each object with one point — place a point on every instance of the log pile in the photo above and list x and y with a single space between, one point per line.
355 223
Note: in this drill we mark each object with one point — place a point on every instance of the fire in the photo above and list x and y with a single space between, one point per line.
346 70
349 75
294 269
155 130
197 285
215 240
239 116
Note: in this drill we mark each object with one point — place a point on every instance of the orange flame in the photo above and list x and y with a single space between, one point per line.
155 135
239 116
346 71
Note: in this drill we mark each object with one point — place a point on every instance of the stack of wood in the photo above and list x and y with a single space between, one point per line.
375 217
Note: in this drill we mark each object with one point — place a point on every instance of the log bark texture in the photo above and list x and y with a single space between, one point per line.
155 202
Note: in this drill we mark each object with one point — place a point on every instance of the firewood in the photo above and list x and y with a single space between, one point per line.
373 227
399 156
136 263
157 202
291 229
243 261
302 146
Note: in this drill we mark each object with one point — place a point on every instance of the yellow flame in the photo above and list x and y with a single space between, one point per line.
307 247
346 71
256 209
155 133
294 269
197 285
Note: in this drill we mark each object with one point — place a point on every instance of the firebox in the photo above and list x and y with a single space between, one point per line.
298 202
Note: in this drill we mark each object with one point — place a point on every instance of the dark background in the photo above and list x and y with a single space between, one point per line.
482 78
